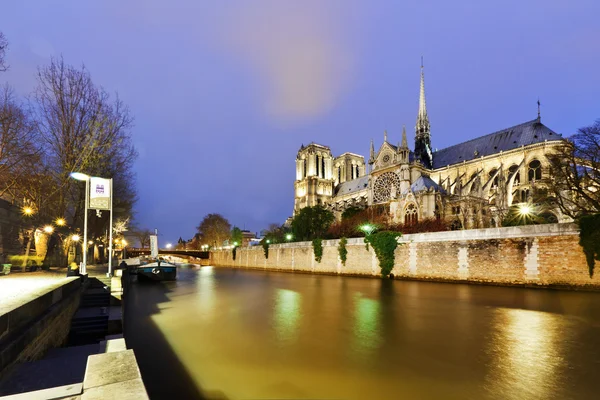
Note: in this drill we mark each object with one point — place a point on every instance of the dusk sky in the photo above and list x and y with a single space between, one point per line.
225 92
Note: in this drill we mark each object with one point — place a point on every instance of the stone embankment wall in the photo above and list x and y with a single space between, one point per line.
42 323
547 255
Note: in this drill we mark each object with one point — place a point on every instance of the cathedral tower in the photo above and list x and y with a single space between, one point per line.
314 176
423 137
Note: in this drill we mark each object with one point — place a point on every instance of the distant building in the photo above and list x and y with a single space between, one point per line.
247 237
471 184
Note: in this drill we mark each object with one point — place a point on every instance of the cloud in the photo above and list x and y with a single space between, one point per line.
298 52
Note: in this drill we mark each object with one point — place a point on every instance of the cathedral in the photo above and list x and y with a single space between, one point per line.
470 185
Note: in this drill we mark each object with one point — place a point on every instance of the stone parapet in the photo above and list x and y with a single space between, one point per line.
535 255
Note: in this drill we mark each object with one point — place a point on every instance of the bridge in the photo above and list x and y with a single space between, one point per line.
134 252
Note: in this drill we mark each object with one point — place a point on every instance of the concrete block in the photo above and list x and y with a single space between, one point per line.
108 368
132 389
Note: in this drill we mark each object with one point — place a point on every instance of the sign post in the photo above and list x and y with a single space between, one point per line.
101 198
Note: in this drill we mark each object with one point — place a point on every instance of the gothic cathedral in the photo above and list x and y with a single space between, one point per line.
471 184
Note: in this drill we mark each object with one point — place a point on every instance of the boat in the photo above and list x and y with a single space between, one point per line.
157 271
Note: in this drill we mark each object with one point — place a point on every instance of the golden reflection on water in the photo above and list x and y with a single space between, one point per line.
367 320
526 354
287 315
206 293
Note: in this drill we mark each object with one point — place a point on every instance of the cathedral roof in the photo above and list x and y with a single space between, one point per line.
425 183
530 132
352 186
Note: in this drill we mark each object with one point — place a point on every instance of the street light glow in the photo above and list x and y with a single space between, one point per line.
524 209
48 229
367 228
61 222
124 242
79 176
235 243
90 242
75 238
27 210
168 245
288 236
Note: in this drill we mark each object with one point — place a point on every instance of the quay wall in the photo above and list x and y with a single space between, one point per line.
535 255
28 331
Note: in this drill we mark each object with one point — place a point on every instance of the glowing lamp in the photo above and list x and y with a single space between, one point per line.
79 176
75 238
48 229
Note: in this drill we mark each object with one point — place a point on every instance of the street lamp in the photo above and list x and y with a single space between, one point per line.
27 210
75 238
168 245
288 237
60 222
48 229
367 228
83 177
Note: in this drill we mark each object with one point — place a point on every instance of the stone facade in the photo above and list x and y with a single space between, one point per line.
471 184
546 255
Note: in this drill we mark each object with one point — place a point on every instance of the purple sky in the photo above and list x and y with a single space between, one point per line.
225 92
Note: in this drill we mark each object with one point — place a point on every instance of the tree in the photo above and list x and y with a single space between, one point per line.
3 48
19 151
576 173
275 233
143 236
236 236
215 229
311 223
82 129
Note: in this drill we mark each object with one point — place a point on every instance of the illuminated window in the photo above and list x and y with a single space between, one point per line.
535 170
410 215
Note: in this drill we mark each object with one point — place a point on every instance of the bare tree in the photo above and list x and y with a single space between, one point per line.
83 130
3 48
19 151
576 173
143 236
215 229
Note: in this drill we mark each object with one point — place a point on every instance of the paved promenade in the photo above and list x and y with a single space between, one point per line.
19 288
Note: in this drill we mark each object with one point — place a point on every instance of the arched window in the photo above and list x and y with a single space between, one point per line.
305 167
339 174
535 170
495 182
524 195
410 215
512 169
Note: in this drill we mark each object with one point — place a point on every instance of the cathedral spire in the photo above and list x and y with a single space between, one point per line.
372 153
422 117
422 130
404 141
385 135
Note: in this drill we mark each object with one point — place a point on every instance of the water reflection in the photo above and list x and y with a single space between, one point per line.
526 354
288 311
367 319
206 292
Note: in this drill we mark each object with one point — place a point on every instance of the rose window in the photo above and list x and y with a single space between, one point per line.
386 187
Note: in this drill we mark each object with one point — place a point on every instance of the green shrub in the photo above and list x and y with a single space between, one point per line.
384 244
318 249
265 246
342 251
589 239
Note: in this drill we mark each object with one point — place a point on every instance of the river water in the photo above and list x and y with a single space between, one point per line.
238 334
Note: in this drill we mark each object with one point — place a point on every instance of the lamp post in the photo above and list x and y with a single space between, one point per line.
83 177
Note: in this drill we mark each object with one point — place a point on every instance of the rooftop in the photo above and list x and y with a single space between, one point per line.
527 133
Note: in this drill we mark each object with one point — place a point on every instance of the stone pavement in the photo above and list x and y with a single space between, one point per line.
19 288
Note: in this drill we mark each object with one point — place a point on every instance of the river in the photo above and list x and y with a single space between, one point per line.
239 334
